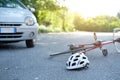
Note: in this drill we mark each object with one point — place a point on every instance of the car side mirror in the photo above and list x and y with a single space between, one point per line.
31 8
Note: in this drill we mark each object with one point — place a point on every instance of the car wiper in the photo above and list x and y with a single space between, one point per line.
7 7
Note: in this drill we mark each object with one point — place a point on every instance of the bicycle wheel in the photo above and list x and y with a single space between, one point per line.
116 35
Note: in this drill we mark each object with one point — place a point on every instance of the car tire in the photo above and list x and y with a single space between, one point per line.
29 43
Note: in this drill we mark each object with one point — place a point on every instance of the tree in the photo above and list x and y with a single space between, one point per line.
42 7
78 21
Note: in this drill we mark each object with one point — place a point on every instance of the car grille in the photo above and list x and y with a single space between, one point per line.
10 24
11 35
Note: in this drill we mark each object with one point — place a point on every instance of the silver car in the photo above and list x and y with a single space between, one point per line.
17 23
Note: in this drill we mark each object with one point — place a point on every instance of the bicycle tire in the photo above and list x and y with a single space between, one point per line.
116 35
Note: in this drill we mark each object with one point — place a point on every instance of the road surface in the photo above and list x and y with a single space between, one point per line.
20 63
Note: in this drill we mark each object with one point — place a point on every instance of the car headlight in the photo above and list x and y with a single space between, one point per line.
29 21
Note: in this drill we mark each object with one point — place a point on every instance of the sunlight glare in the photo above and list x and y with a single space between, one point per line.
91 8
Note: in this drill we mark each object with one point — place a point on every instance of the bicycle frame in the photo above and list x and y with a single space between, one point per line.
95 45
88 47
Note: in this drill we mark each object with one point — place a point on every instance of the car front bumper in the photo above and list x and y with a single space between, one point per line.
21 32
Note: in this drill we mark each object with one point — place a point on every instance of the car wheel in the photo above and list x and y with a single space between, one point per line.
29 43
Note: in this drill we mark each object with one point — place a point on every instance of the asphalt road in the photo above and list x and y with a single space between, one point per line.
20 63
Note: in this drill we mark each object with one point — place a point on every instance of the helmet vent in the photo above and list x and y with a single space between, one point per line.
81 62
73 64
75 59
78 56
84 57
69 63
71 58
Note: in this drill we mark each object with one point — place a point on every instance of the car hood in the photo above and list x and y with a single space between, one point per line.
14 15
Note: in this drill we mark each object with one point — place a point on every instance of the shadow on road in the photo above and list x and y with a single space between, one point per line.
12 46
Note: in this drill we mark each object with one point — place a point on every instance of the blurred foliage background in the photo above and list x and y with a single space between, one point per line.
52 16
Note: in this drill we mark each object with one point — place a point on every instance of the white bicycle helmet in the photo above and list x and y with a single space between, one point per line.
77 61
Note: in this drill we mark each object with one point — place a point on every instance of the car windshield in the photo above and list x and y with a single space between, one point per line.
11 4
